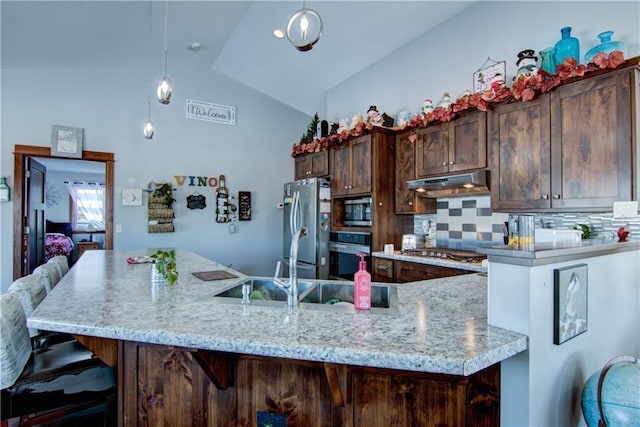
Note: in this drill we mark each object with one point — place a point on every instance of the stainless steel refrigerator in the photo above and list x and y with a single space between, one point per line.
311 208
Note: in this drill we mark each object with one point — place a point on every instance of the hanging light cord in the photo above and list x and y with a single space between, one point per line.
166 25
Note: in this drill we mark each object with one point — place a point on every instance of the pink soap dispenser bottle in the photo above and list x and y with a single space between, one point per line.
362 286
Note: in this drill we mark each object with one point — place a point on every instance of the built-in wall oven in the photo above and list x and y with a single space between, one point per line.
344 251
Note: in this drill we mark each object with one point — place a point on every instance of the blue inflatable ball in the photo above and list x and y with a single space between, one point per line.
620 394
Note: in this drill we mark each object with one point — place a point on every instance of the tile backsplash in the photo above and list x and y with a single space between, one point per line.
468 222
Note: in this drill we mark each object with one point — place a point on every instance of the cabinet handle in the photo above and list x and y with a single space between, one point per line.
346 187
451 162
444 163
410 203
383 267
545 197
556 197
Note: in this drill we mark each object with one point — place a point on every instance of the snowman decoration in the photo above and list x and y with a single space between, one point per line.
526 63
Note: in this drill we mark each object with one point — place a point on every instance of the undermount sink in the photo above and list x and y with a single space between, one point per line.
331 295
261 289
338 296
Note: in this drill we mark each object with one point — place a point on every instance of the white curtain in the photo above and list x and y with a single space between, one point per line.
89 199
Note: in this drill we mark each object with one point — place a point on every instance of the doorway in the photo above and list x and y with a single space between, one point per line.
21 216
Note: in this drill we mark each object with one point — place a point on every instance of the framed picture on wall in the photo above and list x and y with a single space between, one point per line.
131 196
570 302
66 141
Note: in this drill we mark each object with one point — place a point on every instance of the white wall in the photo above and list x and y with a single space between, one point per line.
111 105
542 386
445 58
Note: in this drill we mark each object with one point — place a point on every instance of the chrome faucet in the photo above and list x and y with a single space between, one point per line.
290 286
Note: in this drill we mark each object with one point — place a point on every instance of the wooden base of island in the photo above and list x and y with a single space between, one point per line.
163 385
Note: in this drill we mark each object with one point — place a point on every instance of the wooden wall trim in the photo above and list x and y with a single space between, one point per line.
21 152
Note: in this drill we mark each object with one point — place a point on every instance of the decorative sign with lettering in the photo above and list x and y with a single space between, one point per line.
200 110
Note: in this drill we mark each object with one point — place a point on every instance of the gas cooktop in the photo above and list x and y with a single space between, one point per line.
446 253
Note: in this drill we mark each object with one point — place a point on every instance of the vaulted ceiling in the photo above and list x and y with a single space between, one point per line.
235 36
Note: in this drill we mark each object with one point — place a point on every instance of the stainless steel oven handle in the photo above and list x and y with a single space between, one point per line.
349 249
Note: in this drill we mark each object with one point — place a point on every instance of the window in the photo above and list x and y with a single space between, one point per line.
87 205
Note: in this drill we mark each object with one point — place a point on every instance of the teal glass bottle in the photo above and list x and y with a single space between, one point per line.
567 47
606 45
548 62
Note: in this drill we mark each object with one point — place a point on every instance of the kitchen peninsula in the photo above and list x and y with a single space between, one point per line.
186 359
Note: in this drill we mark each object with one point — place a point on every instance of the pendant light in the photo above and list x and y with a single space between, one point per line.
304 28
165 88
149 130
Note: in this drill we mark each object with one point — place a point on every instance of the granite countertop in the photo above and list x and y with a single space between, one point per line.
441 326
442 262
545 253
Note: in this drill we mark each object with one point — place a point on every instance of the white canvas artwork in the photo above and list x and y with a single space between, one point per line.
570 311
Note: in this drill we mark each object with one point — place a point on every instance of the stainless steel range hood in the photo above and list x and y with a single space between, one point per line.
476 182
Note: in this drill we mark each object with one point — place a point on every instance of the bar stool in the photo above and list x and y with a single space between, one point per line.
50 275
64 382
61 262
31 292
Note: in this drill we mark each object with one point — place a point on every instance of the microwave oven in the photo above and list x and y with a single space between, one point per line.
357 212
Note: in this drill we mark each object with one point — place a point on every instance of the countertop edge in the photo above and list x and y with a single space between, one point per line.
397 256
549 253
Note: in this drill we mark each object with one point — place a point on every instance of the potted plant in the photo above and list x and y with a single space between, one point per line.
165 265
165 193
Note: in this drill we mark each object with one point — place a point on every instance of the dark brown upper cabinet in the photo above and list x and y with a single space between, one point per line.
312 165
455 146
406 200
568 150
351 167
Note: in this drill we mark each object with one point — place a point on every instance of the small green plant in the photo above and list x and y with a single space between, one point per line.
165 264
586 230
165 191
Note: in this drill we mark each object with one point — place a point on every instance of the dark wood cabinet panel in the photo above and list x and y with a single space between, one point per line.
164 385
351 167
468 142
456 146
432 151
520 155
591 133
361 165
406 399
404 271
312 165
569 150
382 270
340 169
407 202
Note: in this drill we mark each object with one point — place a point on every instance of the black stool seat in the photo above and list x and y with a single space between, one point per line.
61 375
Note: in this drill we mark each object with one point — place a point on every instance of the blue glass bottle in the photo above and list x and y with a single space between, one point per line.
567 47
606 45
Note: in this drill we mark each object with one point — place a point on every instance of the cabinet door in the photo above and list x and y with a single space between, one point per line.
405 171
519 153
404 271
382 270
360 165
319 164
591 134
340 169
432 152
468 142
301 166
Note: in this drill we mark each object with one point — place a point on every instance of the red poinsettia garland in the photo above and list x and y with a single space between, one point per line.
525 88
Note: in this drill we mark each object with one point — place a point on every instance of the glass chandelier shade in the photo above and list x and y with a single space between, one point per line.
148 129
165 89
304 29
